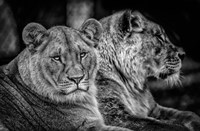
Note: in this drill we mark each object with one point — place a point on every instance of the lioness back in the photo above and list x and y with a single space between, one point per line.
50 84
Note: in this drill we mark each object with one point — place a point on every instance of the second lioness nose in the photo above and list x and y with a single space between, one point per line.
181 53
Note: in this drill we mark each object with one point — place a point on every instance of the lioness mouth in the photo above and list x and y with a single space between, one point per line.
76 89
169 73
164 75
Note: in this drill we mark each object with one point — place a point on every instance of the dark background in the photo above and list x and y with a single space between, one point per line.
179 17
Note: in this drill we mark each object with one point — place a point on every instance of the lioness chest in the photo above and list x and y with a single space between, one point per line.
115 106
22 110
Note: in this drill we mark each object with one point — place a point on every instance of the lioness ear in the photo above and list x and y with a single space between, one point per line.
92 29
32 34
131 22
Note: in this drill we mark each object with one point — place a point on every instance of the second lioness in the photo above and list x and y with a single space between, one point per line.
132 49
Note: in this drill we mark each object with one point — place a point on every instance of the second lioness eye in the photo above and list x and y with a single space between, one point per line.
159 36
83 54
157 51
57 58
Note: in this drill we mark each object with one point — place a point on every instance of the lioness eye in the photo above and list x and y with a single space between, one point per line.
57 58
83 54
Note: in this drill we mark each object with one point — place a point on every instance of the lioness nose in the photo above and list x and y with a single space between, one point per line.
181 53
76 79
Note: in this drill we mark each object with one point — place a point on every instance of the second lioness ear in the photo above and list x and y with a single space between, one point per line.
131 22
137 21
92 29
32 34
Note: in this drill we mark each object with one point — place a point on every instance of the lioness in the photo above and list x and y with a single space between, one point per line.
49 86
132 49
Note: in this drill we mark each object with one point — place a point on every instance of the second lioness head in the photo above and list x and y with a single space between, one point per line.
140 48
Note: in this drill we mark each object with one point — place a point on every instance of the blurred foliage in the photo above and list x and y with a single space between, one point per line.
9 45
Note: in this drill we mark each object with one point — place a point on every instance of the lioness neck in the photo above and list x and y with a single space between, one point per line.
109 65
133 86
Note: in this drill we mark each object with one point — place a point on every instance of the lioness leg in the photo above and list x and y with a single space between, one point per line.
97 125
149 124
188 119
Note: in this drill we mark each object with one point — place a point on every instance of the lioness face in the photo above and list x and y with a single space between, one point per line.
70 62
62 61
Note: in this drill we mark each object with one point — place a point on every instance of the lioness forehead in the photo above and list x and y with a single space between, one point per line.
65 38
